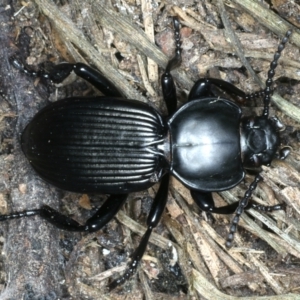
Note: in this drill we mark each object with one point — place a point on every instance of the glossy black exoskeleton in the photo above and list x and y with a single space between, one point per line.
115 146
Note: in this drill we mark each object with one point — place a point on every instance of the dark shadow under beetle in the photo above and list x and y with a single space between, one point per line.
115 146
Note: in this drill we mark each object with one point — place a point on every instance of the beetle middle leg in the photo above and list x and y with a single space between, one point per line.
154 217
160 200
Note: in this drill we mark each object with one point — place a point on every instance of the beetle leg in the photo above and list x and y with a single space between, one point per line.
104 214
208 87
21 214
206 203
167 81
264 208
97 80
284 153
213 87
61 71
156 211
242 204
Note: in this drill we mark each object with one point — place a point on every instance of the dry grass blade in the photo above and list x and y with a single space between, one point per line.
271 20
204 287
71 33
124 27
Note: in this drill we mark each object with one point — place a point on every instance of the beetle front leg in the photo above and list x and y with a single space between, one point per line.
206 203
213 87
156 211
208 87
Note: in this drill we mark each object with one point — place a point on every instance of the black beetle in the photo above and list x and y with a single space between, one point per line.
114 146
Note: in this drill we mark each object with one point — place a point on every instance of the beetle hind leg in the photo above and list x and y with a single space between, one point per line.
60 72
97 80
104 214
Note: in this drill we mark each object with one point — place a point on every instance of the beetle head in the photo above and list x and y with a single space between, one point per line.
259 140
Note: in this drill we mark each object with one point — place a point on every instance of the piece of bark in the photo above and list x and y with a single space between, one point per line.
31 246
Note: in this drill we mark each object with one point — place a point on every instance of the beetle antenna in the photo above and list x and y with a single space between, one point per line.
243 203
167 81
176 60
271 73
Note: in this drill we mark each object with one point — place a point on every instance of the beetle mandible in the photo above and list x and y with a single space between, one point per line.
116 146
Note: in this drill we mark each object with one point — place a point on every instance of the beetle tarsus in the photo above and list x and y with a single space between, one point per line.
136 258
268 209
21 214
